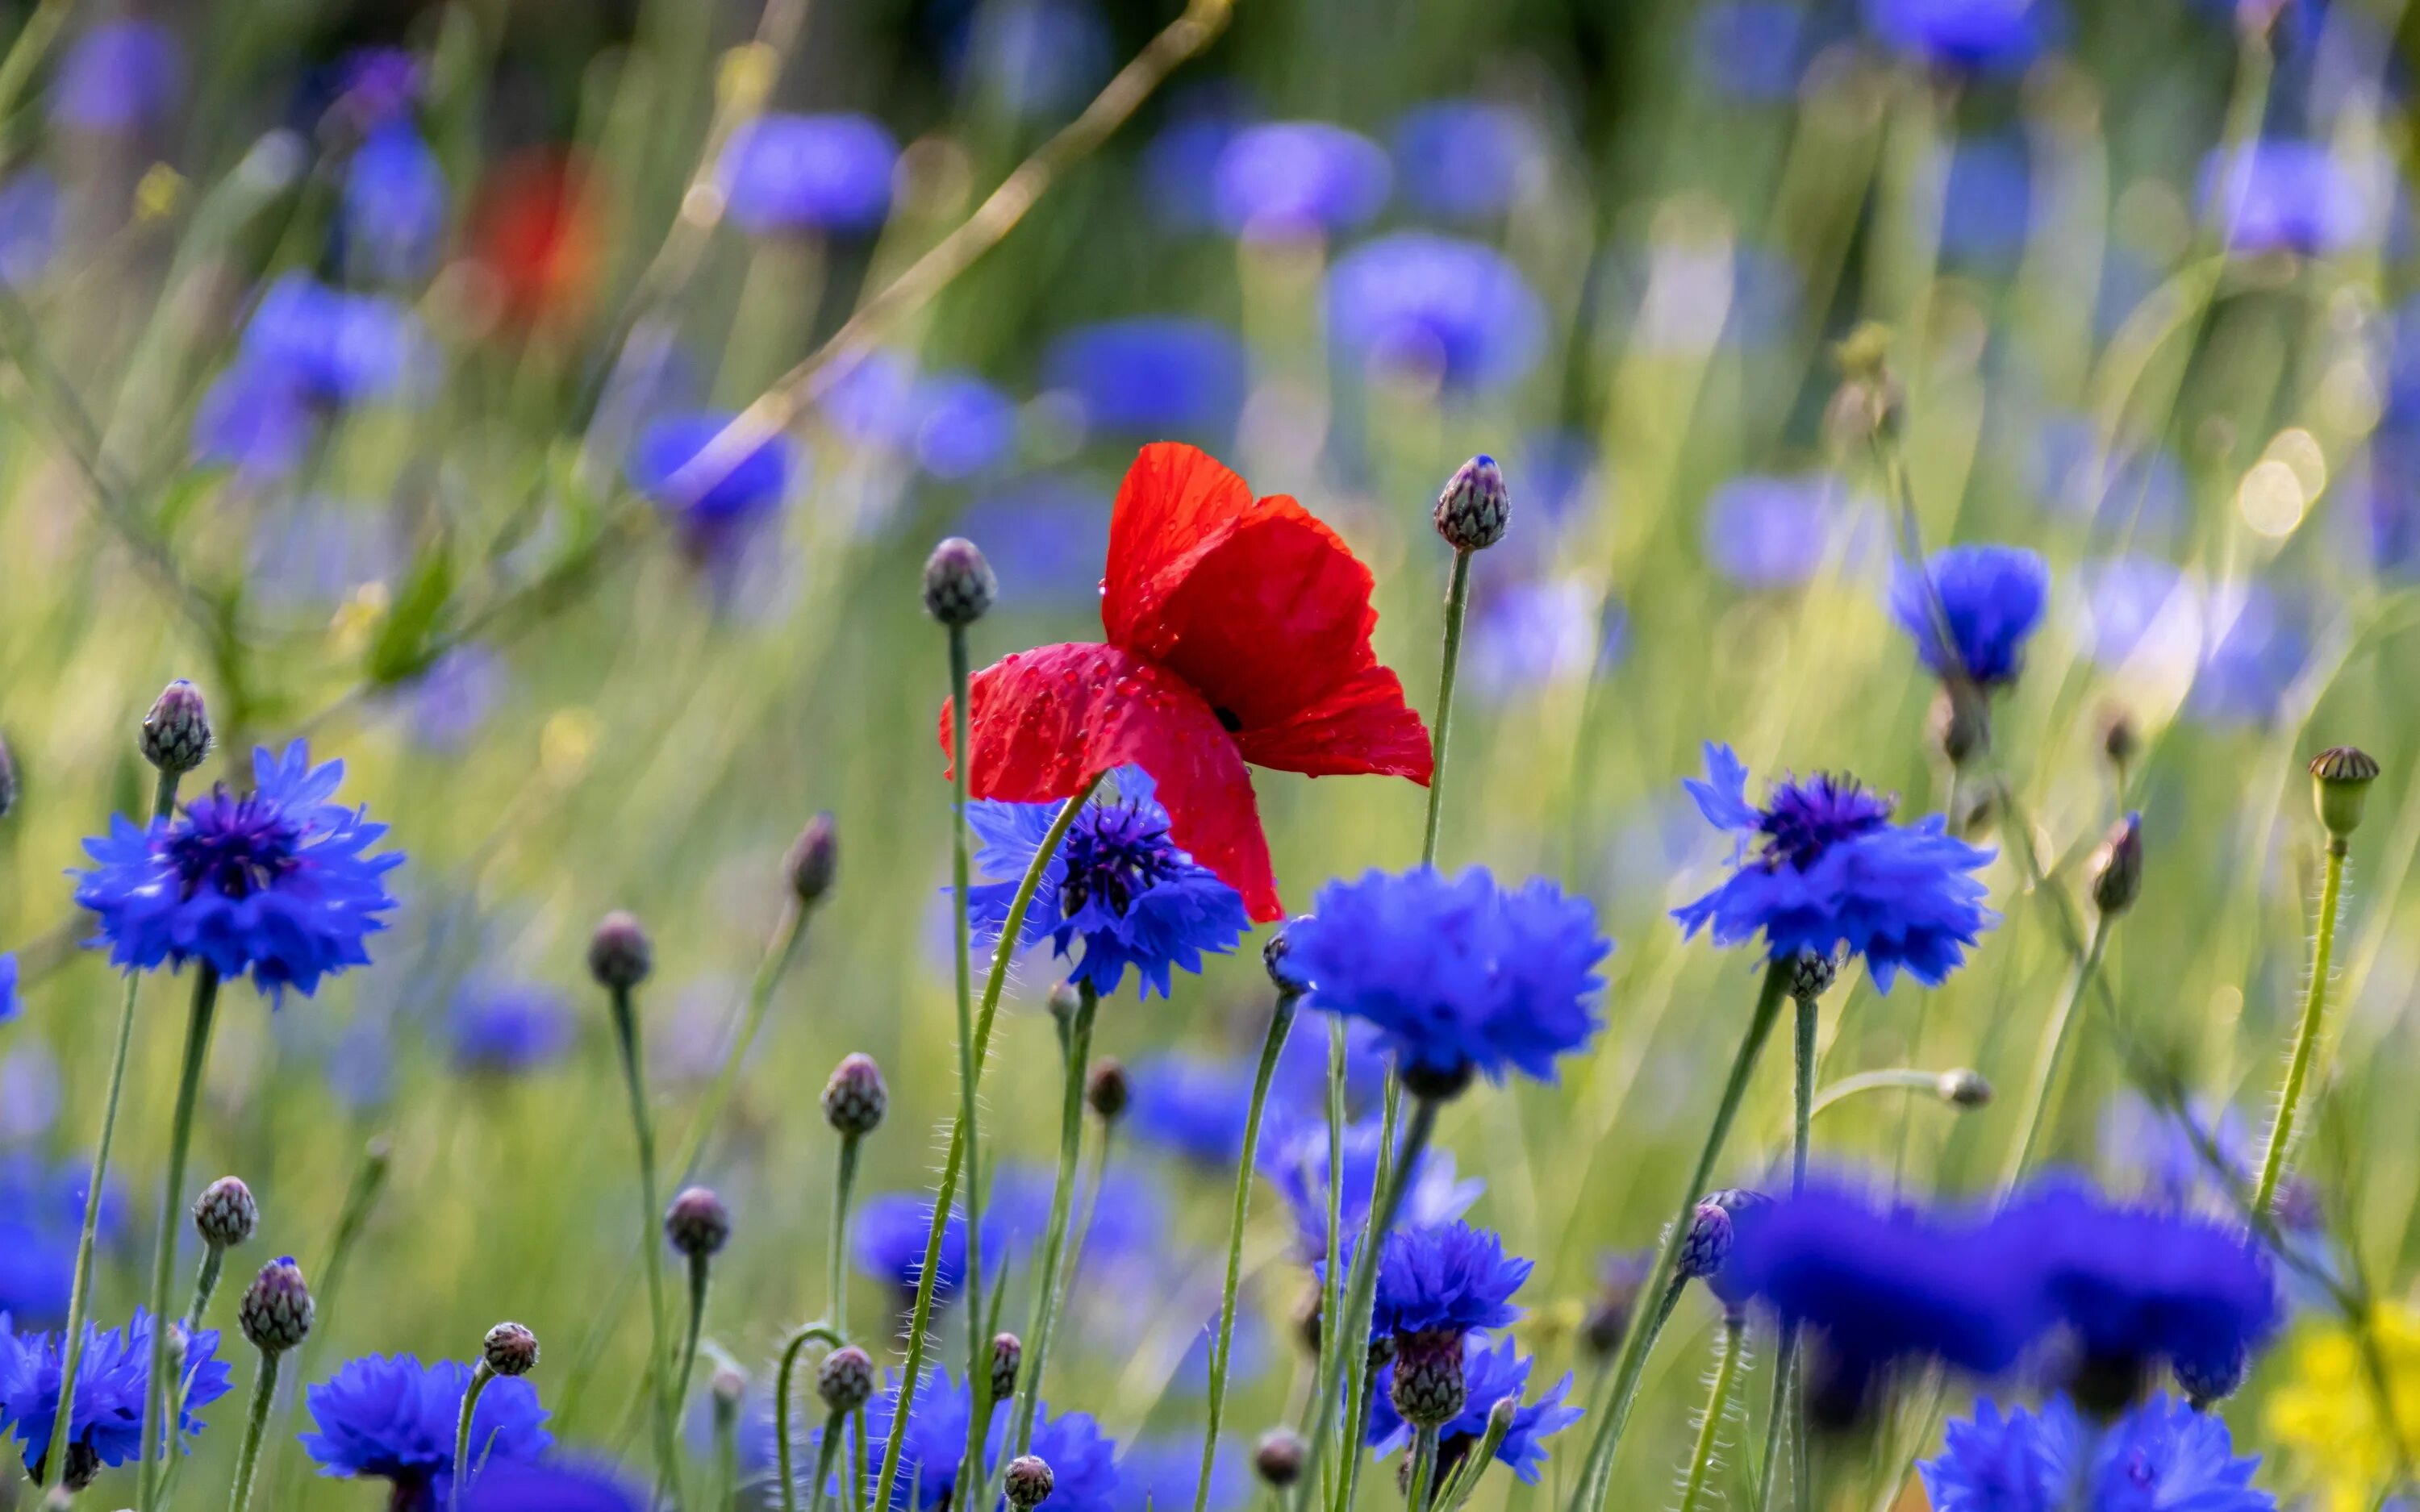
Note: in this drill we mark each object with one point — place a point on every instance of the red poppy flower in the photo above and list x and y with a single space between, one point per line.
1238 632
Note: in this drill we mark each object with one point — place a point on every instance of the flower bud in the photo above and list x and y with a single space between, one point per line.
1107 1090
813 857
729 1387
697 1222
1707 1249
1064 1000
620 954
276 1310
845 1379
1029 1482
2205 1381
1811 975
1500 1416
225 1214
1273 957
2341 778
177 732
509 1350
959 585
1429 1390
7 780
1963 1088
2121 742
2118 867
1278 1457
1438 1084
1474 507
1007 1356
855 1099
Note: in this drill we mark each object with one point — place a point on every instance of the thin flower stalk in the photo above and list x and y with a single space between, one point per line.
2306 1033
1047 1290
264 1394
156 1393
784 1385
1695 1492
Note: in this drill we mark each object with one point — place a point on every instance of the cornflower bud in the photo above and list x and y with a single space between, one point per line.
1278 1457
619 953
1007 1357
276 1310
855 1098
1029 1482
845 1379
1273 957
1107 1090
509 1350
959 585
2118 868
697 1222
813 857
1474 509
177 732
225 1214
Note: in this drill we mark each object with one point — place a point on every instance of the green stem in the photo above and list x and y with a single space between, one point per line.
784 1376
1346 1333
163 802
857 1458
264 1392
1364 1388
643 1129
700 1274
1054 1234
1474 1464
1785 1360
361 1195
481 1374
2306 1037
844 1182
1718 1401
2052 1058
1280 1023
1893 1078
1360 1372
920 1318
206 1283
826 1451
1597 1469
159 1435
727 1457
1457 600
968 1126
1424 1457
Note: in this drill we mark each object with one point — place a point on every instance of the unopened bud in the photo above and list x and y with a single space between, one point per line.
177 732
2121 742
1007 1357
1620 1280
814 857
1029 1482
276 1310
1963 1088
1962 721
729 1387
1500 1416
509 1350
1811 975
225 1214
1273 956
1278 1457
959 586
1474 507
1107 1090
1707 1249
620 954
697 1222
2341 778
2118 867
1430 1388
1064 1000
855 1098
845 1379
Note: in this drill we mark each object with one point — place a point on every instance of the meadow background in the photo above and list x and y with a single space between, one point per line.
2206 416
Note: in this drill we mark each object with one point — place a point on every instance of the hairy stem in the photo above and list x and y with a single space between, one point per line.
2042 1089
784 1376
1054 1234
1457 600
1718 1401
481 1374
264 1392
159 1435
969 1127
2306 1035
643 1129
835 1263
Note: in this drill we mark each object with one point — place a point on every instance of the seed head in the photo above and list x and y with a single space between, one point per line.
1963 1088
959 586
2118 867
1474 509
177 732
813 857
1811 975
697 1222
845 1379
1107 1090
225 1214
2341 778
1707 1249
276 1309
855 1099
620 955
510 1350
1278 1457
1007 1358
1029 1482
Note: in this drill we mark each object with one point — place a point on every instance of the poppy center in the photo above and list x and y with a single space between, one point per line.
1805 820
234 847
1114 855
1228 719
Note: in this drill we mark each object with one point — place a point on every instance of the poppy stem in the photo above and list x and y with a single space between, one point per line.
159 1435
264 1393
2306 1036
164 803
1012 929
1222 1343
783 1375
481 1373
1046 1299
1597 1473
1457 601
1718 1401
2053 1058
643 1127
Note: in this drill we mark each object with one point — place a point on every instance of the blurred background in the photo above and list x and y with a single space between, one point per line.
350 349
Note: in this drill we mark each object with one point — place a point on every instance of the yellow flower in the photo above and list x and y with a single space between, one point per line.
2327 1417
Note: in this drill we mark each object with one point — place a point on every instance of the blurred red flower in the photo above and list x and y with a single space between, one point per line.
536 228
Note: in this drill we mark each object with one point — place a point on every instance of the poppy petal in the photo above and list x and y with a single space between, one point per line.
1046 720
1263 610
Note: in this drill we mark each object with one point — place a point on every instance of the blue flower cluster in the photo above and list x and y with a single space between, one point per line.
2162 1454
41 1206
105 1426
278 882
393 1419
309 351
9 1004
1835 874
1084 1463
495 1029
1293 1155
1118 884
1446 1278
790 175
1491 1372
1992 597
1458 975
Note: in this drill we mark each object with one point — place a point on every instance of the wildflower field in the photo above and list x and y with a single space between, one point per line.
1200 755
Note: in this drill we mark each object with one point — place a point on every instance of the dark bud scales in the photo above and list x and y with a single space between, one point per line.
509 1350
1429 1390
1029 1482
226 1215
2118 868
959 585
177 732
1007 1358
1475 508
855 1098
620 955
276 1310
697 1222
1278 1457
1107 1090
813 859
845 1379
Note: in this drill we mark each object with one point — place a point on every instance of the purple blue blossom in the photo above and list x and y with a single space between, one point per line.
2256 643
1993 598
1467 159
1160 1474
448 702
114 1367
2280 194
555 1485
2140 494
1035 59
278 882
501 1028
1764 532
1446 1278
392 1419
1293 1155
1149 378
1969 36
309 351
1986 199
1834 874
784 173
1118 884
393 212
1490 1373
29 226
121 76
1456 311
1084 1463
889 1234
718 521
1292 179
1180 165
2161 1454
1751 49
9 1007
1046 535
1541 634
2139 605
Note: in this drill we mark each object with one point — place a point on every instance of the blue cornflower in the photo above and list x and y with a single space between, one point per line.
2254 644
718 520
393 1418
2141 604
1467 159
1292 179
1455 311
506 1028
2285 195
2135 1287
889 1237
2141 493
788 173
374 85
2162 1455
1752 50
1974 36
1986 195
1082 1463
276 882
329 347
1764 532
394 209
1033 58
42 1211
1151 376
1180 165
121 76
1159 1474
1542 634
29 226
963 425
115 1366
1446 1278
1118 883
9 1004
1993 598
451 697
556 1486
1460 975
1047 536
2154 1145
1191 1106
1490 1373
1835 873
1293 1155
